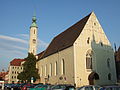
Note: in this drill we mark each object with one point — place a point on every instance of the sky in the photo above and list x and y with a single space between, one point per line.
53 17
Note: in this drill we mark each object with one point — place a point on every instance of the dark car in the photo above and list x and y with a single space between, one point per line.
110 88
27 86
63 87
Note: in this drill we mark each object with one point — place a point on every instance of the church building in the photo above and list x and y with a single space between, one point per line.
81 55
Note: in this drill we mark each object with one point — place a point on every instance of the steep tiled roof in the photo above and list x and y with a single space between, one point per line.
16 62
66 38
2 74
40 54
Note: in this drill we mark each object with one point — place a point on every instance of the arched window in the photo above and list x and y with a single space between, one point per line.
109 76
89 55
50 71
62 66
45 70
41 71
56 68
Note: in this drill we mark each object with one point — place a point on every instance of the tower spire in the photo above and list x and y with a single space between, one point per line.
33 36
34 24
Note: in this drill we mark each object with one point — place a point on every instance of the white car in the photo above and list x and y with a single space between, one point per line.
89 87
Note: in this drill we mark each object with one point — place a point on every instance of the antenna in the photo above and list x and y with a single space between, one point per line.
34 10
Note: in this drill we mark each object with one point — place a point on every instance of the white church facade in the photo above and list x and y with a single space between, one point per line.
81 55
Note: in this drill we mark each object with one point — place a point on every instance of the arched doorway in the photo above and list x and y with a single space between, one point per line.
93 76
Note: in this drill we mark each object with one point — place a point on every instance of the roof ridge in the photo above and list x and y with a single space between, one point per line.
66 38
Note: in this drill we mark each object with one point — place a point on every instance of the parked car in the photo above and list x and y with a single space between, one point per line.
89 87
41 87
110 88
27 86
63 87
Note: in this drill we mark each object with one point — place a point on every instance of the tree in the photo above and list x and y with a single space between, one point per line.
29 69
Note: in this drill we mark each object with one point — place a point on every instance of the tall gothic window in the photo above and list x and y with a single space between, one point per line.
41 72
50 70
89 59
45 70
56 68
62 66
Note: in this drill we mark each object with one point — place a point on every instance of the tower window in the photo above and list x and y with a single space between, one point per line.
34 31
33 51
34 40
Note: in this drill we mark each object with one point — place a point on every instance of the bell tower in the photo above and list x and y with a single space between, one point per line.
33 36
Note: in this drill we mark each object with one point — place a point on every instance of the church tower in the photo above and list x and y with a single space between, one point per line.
33 36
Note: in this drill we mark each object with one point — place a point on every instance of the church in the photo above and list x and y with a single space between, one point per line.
81 55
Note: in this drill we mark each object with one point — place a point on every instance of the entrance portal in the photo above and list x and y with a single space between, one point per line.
93 76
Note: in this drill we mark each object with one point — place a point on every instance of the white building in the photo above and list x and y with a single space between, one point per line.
80 55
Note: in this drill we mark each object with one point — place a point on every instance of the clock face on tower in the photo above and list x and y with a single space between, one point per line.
34 41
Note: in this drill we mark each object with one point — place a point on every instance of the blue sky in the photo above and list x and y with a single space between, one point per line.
53 17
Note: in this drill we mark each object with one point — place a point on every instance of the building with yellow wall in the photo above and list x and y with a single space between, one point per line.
81 55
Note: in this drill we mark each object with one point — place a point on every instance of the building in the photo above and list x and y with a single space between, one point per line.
2 75
15 68
81 55
33 37
117 60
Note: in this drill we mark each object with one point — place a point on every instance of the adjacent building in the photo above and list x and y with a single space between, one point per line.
15 68
81 55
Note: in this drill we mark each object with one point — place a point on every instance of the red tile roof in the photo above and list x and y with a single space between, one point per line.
2 74
16 62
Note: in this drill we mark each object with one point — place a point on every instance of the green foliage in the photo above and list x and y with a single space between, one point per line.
29 69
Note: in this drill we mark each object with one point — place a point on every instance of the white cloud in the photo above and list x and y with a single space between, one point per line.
25 36
13 39
42 44
16 47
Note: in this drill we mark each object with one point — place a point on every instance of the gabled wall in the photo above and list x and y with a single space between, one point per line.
102 50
